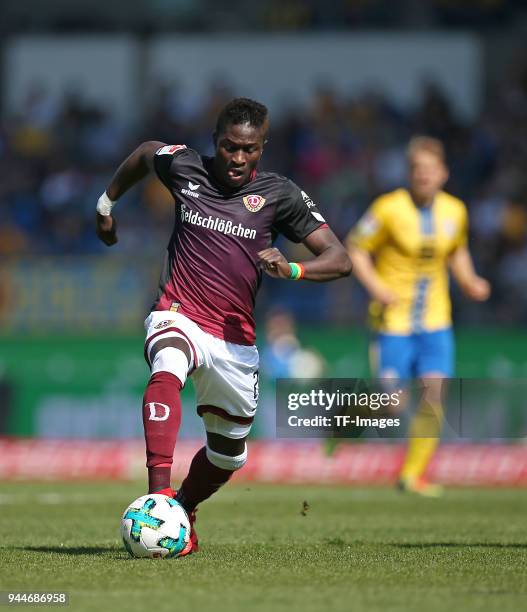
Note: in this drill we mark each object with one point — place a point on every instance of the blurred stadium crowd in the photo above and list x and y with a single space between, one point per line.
58 154
263 16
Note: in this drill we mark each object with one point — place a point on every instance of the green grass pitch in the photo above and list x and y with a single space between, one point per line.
354 549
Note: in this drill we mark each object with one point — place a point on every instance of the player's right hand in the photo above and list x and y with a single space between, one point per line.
105 227
385 296
478 289
274 263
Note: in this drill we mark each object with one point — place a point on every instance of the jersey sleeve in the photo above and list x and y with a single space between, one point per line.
461 235
372 229
163 159
296 214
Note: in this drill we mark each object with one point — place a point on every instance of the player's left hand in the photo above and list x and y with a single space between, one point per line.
274 263
106 229
478 289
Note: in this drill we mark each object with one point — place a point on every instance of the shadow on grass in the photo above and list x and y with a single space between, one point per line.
460 545
73 550
341 543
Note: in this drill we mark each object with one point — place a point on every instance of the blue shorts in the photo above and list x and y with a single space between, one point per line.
416 354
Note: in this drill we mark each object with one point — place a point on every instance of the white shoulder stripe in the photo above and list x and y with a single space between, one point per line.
318 216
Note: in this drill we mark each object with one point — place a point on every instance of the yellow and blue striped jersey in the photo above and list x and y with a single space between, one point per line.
410 246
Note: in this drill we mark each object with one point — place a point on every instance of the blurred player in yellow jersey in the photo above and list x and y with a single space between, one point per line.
401 250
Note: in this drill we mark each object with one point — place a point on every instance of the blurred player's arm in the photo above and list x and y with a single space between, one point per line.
473 286
366 273
331 260
134 168
461 266
363 241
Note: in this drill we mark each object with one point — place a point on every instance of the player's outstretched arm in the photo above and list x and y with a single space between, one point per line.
134 168
473 286
331 260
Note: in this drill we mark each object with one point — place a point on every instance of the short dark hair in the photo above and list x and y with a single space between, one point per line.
241 110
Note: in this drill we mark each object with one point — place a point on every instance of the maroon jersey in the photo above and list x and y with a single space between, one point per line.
211 272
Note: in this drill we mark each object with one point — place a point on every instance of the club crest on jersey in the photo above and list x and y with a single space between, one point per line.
253 203
368 225
163 324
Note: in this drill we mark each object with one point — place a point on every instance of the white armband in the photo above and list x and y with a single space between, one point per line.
105 205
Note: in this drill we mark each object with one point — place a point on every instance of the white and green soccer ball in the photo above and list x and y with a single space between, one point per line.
155 526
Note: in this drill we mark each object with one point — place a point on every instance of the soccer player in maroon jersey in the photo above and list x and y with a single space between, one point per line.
201 325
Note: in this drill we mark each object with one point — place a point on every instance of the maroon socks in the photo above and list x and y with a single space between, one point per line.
203 479
161 421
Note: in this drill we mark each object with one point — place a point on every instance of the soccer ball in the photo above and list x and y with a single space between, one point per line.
155 526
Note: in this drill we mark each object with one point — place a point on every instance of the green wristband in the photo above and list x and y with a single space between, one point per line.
296 271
